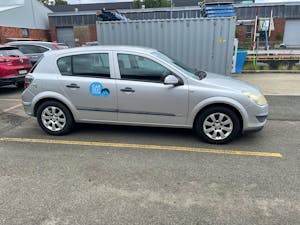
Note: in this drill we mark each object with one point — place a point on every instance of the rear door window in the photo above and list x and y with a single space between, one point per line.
87 65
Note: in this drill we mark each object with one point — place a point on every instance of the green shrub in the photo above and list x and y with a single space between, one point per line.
248 66
266 67
296 67
283 66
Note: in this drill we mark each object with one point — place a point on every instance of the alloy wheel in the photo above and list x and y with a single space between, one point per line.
217 126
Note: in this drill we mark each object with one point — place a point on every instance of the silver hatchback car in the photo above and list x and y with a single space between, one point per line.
138 86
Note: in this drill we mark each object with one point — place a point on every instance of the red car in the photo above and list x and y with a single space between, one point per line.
13 66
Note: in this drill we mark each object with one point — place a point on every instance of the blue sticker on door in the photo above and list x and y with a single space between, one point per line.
97 90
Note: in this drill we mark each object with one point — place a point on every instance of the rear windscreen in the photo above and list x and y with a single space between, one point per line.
10 52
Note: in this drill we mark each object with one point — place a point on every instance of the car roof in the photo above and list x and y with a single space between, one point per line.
30 42
102 48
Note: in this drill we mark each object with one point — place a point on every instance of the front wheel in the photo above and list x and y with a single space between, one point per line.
217 125
55 118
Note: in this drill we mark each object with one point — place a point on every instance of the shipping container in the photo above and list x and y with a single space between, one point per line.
202 43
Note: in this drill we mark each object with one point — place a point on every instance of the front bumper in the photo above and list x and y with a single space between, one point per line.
257 117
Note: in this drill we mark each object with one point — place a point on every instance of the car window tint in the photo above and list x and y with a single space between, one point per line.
96 65
133 67
31 49
10 52
65 65
124 61
89 65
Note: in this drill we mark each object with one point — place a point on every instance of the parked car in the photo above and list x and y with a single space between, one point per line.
287 46
14 65
35 49
92 43
139 86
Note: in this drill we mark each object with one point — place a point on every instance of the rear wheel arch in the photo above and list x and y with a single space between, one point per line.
41 101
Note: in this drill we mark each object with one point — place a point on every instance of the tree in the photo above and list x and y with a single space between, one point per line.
151 3
54 2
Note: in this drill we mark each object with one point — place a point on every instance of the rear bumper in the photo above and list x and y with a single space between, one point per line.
11 80
28 108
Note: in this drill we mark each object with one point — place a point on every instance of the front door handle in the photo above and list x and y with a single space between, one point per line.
127 89
72 86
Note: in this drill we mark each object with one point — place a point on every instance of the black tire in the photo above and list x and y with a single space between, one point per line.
199 122
69 123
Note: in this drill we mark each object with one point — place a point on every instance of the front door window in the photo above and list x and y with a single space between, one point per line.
138 68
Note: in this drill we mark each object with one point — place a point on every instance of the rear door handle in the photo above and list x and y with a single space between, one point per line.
72 86
127 89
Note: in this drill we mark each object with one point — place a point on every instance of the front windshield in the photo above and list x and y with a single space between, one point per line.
183 68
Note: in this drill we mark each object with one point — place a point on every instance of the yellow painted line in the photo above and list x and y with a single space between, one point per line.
12 108
138 146
10 99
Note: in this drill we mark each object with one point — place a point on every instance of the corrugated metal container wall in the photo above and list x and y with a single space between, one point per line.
205 43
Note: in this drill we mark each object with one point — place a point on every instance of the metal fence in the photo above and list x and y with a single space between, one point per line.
205 43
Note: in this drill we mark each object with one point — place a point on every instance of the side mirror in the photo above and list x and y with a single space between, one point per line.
172 80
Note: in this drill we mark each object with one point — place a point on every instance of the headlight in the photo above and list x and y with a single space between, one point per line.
257 98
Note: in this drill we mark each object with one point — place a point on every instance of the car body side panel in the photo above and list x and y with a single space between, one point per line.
30 105
91 106
152 103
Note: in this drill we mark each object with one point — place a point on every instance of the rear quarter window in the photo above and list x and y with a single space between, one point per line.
65 65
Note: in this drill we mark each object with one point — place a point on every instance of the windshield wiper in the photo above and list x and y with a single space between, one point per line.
201 74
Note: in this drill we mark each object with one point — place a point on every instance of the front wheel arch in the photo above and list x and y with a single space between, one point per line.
222 105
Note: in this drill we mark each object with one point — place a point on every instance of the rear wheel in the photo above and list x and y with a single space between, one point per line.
55 118
217 125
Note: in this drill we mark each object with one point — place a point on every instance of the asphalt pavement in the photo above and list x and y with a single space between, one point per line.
101 174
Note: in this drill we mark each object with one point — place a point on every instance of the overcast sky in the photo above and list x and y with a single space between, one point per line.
101 1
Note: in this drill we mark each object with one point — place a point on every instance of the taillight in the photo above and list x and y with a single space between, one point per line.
28 81
4 60
56 46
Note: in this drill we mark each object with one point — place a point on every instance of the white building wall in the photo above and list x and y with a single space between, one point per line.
32 14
